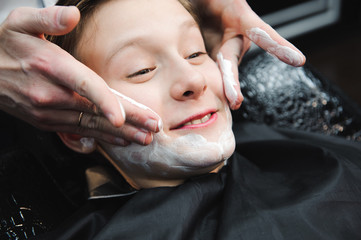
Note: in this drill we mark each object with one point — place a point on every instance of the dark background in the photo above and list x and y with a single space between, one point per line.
265 7
335 50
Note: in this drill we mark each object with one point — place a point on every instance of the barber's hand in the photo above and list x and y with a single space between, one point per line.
240 25
45 86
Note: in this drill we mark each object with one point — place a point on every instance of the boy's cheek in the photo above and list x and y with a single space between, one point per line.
215 83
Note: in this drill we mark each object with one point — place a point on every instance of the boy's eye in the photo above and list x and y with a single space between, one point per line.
141 72
197 54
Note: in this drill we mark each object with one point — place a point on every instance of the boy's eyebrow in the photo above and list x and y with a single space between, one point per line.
188 23
122 45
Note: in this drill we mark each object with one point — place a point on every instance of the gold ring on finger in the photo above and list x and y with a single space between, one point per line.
80 117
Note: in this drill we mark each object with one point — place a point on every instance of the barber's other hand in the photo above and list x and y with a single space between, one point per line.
45 86
237 22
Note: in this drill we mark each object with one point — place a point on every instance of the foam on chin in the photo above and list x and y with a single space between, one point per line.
174 157
169 156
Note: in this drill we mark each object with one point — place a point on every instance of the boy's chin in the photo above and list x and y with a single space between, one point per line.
172 158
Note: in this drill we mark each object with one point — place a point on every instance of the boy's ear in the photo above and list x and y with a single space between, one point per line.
78 143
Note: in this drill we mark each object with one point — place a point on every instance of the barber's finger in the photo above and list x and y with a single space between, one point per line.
65 70
139 114
268 39
55 20
97 127
91 125
136 114
91 133
74 104
63 73
259 32
82 104
131 135
142 118
228 58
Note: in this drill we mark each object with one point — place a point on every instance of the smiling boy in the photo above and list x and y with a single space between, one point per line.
279 184
153 52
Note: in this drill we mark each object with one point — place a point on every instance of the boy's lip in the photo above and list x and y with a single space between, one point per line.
197 120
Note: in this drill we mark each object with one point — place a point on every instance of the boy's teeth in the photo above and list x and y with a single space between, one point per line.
199 121
206 118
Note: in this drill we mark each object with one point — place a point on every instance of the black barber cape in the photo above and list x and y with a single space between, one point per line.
279 184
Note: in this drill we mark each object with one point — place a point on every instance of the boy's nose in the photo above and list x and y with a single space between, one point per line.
188 83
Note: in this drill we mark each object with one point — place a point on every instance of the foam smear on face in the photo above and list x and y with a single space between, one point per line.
182 154
286 54
228 79
87 143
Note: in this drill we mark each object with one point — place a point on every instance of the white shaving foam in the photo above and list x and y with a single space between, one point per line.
87 143
228 79
286 54
170 156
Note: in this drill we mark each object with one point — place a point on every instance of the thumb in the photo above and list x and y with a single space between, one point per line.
228 59
243 20
55 20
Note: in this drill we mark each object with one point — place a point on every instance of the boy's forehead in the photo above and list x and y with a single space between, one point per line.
133 17
132 10
118 22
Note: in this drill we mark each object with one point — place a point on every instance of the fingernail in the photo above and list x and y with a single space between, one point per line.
63 16
151 137
160 125
140 137
154 125
110 117
285 54
151 125
288 55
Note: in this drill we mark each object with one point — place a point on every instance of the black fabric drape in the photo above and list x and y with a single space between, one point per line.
280 184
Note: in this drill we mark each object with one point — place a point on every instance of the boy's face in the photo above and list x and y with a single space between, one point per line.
153 52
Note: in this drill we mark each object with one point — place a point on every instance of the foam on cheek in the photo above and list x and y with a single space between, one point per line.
183 154
228 79
87 143
286 54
